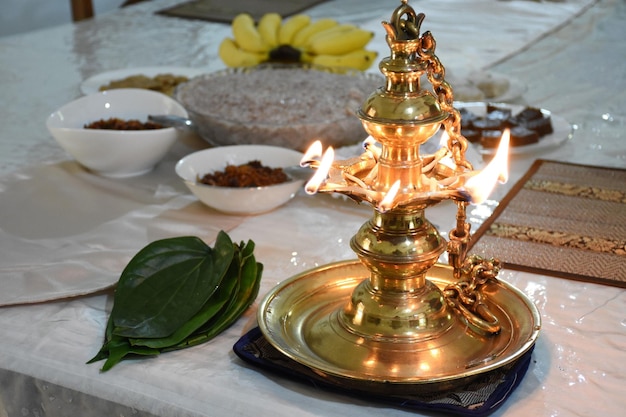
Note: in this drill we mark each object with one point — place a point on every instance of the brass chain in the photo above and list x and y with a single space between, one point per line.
457 143
466 297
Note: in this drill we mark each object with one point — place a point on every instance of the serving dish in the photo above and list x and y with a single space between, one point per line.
115 153
280 105
236 200
92 84
516 89
562 129
484 83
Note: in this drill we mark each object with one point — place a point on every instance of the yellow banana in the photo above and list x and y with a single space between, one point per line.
292 26
332 33
360 59
246 34
306 57
302 36
268 28
233 56
341 43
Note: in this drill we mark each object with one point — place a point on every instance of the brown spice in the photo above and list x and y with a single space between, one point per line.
251 174
119 124
163 83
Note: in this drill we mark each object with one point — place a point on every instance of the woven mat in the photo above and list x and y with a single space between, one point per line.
225 11
563 220
477 398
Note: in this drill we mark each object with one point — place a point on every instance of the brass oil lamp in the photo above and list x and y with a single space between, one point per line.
397 317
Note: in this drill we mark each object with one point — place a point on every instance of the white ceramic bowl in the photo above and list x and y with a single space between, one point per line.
241 201
115 153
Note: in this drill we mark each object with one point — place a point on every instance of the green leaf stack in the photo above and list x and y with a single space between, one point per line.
179 292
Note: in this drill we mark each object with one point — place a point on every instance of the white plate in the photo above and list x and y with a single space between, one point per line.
515 90
93 84
562 130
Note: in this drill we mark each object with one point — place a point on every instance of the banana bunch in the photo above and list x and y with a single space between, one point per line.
324 42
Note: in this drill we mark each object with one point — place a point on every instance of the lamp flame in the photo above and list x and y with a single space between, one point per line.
443 144
369 144
480 185
443 140
387 202
312 153
322 171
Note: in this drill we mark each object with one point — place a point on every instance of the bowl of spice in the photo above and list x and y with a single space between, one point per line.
109 133
241 179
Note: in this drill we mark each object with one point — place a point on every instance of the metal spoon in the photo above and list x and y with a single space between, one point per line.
297 172
171 120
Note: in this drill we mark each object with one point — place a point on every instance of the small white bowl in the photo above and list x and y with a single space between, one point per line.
115 153
233 200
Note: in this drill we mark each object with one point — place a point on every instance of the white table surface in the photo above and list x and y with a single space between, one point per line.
59 223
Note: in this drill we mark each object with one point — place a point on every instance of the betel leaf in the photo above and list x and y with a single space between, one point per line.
155 271
213 306
167 283
119 348
248 275
248 290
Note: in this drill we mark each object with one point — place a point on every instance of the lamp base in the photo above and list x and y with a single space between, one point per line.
301 317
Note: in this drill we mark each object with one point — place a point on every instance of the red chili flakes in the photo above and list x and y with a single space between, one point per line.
120 124
251 174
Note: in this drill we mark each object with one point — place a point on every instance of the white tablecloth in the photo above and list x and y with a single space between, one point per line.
63 228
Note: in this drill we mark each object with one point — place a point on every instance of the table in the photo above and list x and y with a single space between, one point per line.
571 57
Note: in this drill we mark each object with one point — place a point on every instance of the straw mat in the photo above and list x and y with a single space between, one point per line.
563 220
224 11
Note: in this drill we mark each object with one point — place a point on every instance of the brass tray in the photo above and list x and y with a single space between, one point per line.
297 318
